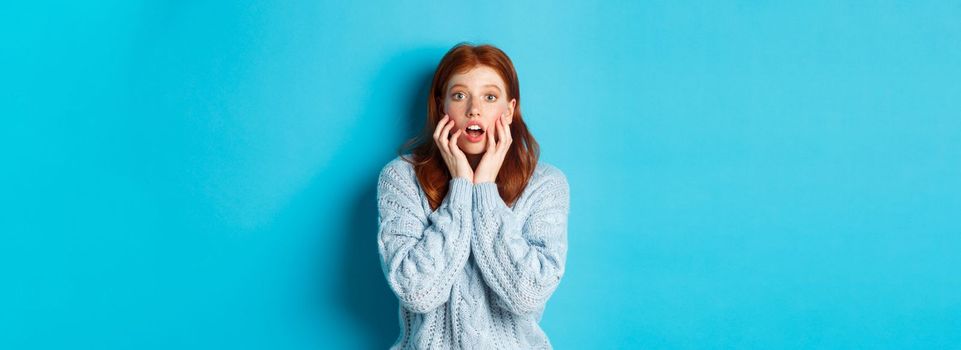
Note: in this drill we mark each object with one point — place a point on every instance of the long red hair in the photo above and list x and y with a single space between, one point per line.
429 165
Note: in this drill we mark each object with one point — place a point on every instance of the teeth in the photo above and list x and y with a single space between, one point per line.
474 127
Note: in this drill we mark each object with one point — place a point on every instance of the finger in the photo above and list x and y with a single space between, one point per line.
505 134
500 135
507 129
440 126
438 141
490 139
502 144
459 155
454 148
446 133
441 139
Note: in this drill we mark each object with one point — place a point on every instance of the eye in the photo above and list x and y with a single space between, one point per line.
491 98
458 95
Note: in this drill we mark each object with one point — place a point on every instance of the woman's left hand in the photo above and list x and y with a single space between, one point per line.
493 158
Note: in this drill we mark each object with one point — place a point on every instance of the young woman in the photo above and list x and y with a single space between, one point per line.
472 229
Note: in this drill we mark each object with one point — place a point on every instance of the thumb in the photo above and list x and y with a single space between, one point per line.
453 144
490 140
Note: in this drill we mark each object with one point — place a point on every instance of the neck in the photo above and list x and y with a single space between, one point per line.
474 159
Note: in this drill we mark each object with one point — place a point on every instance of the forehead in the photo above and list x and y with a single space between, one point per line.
476 77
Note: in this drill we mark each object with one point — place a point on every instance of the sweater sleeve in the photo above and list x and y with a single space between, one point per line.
422 254
522 262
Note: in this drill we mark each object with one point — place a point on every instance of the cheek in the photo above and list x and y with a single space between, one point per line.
497 111
450 107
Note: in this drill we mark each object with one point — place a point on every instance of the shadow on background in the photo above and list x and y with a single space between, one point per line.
365 293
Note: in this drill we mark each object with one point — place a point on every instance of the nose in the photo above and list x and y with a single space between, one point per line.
472 108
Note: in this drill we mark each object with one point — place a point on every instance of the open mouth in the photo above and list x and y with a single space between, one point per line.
474 131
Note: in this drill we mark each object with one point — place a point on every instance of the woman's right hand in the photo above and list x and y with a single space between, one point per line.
453 156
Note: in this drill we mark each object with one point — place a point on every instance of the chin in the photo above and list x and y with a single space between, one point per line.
474 151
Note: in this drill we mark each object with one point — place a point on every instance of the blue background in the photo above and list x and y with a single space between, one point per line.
198 175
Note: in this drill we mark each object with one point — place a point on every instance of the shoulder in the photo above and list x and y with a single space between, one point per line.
548 172
549 178
397 165
397 170
548 189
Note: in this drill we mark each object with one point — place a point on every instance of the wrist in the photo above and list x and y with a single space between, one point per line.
480 180
486 196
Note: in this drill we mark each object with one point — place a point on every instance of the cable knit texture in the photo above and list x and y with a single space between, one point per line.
475 273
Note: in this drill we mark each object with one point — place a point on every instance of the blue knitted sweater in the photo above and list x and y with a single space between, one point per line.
475 273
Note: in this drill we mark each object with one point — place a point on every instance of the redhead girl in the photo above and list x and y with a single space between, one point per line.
472 228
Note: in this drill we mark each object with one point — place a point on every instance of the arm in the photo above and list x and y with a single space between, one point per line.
421 255
522 261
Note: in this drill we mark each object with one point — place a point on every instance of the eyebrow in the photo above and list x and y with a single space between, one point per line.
464 86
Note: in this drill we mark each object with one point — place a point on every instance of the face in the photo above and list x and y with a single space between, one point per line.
478 96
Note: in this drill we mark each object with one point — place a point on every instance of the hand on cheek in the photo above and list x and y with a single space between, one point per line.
455 159
498 143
